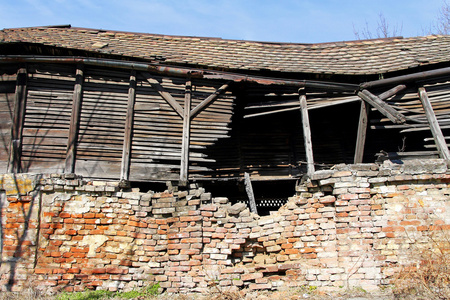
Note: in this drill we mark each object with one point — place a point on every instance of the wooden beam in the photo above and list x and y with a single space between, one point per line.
186 132
208 100
166 95
382 107
20 100
77 99
392 92
361 135
250 194
126 153
306 133
434 125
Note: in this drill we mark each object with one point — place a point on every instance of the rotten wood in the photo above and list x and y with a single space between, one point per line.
434 125
126 153
185 138
382 107
306 133
250 194
392 92
74 121
14 165
361 135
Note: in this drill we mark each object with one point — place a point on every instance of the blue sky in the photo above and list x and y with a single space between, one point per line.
298 21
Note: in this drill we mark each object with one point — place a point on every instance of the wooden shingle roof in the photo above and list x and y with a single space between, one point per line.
346 58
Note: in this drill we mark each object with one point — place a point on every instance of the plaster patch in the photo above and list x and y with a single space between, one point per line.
93 241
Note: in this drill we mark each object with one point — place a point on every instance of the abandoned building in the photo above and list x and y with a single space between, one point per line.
116 116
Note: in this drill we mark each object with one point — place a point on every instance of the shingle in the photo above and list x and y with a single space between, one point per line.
356 57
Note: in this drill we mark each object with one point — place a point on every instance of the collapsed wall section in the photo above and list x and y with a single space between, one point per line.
354 225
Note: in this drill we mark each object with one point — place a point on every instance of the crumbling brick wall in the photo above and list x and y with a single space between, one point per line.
354 225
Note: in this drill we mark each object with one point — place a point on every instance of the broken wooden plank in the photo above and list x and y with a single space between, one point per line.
126 153
306 133
361 135
382 107
250 194
185 137
74 121
20 101
434 125
392 92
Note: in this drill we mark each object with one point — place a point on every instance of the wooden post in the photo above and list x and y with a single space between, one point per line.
306 133
126 153
77 99
251 195
20 100
361 135
434 125
186 134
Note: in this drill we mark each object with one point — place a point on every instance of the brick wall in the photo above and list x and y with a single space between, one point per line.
354 225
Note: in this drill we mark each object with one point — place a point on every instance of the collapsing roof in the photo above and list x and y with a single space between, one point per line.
145 107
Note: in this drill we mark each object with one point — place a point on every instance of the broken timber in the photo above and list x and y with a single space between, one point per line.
434 125
382 107
251 195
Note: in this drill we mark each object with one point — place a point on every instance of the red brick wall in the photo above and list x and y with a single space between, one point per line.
355 225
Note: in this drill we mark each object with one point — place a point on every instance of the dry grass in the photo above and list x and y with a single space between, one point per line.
429 278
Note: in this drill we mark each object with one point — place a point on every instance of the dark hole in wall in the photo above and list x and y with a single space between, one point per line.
269 195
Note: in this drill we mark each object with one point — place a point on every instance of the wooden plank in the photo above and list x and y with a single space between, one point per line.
306 133
185 138
208 100
434 125
361 135
18 120
74 121
382 107
158 87
251 195
126 154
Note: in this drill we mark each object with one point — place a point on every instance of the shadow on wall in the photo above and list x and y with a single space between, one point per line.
20 224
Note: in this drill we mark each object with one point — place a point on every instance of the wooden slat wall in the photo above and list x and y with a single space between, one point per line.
7 90
102 123
47 118
156 147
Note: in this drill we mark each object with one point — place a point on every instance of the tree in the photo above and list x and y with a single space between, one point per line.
383 30
443 22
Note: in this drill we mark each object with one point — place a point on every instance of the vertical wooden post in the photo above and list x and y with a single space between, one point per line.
186 134
74 121
306 133
126 153
434 125
20 100
251 195
361 135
